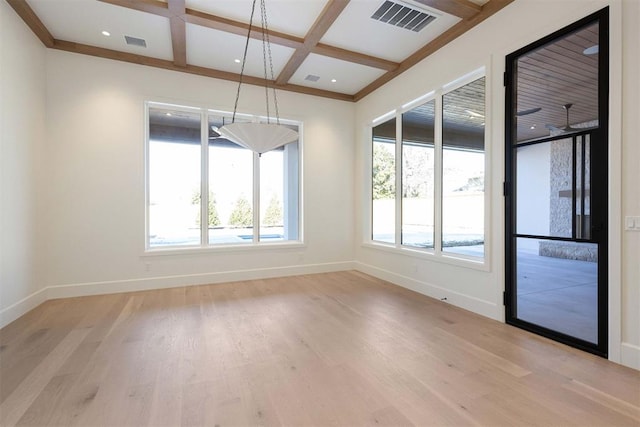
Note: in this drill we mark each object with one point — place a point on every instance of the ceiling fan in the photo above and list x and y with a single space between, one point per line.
568 127
527 112
474 115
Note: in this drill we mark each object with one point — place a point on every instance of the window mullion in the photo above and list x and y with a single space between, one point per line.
437 243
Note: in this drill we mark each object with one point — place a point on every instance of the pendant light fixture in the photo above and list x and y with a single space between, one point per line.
259 137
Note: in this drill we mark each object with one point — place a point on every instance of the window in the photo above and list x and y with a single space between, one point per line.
384 182
174 173
439 205
206 191
463 115
418 172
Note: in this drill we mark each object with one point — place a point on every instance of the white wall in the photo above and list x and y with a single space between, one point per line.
95 184
22 117
630 182
519 24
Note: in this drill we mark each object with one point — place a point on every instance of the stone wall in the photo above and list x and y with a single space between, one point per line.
560 209
569 250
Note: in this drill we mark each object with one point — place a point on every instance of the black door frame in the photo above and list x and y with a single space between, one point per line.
599 169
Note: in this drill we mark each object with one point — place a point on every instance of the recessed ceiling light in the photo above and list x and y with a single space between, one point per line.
106 33
168 114
533 127
237 61
333 80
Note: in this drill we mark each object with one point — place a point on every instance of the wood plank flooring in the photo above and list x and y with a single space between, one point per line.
335 349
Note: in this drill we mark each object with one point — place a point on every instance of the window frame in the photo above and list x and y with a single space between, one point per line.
436 253
204 245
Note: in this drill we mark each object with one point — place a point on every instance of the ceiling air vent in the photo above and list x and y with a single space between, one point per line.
312 78
134 41
402 16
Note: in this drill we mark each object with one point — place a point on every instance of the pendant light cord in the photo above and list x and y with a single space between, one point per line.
244 60
265 36
266 53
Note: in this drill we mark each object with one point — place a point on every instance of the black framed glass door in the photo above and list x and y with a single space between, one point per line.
556 185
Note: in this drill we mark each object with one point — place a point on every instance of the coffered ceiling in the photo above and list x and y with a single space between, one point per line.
330 48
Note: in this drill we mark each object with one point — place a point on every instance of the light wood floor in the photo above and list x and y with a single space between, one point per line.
327 350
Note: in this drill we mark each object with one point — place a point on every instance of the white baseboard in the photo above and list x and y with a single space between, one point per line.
20 308
484 308
630 355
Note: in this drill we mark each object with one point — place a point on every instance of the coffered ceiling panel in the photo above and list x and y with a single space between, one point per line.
83 21
219 50
288 16
349 77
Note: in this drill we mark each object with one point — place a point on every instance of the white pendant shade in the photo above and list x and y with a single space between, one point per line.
258 137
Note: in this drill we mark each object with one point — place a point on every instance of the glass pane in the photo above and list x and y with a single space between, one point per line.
174 177
578 199
279 192
230 189
557 286
544 184
384 182
533 186
291 195
583 188
418 176
560 186
272 195
463 169
557 87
